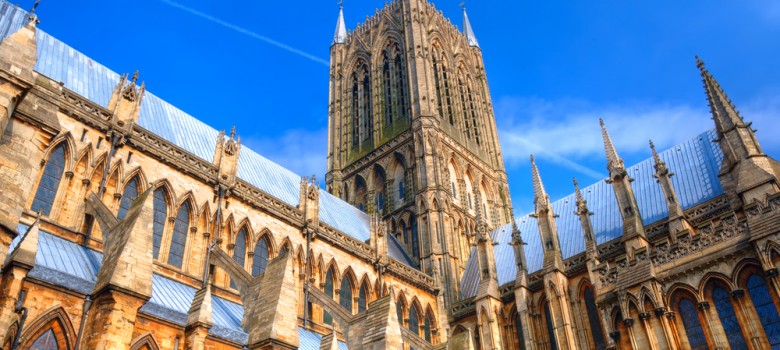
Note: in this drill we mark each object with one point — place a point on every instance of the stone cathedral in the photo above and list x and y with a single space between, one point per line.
126 223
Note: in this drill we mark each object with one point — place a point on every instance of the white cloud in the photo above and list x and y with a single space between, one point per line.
567 131
302 151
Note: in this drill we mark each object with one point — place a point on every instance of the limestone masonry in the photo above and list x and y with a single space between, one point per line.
126 223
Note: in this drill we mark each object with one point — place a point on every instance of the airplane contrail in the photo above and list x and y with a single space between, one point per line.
246 32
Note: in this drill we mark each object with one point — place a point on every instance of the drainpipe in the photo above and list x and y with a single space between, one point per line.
84 313
22 312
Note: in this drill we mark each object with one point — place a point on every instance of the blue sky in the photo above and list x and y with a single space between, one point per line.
553 68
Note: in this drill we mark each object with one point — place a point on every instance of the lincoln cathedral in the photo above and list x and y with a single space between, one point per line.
126 223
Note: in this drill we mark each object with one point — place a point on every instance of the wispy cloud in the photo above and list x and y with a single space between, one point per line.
302 151
245 31
566 132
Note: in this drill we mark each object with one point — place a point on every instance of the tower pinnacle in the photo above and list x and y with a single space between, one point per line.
468 32
614 162
540 195
340 36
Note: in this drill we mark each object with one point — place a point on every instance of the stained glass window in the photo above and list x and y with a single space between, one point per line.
362 299
260 257
345 294
414 324
326 317
239 250
399 309
593 319
550 329
47 341
179 236
765 307
128 196
160 215
380 201
427 328
690 319
728 319
50 181
519 330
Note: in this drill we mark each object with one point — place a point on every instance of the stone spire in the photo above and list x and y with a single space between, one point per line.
587 226
614 162
677 221
746 172
633 229
340 36
545 218
468 31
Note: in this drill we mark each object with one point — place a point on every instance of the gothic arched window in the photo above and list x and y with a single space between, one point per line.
160 216
519 330
345 294
366 116
399 309
260 257
387 89
765 307
50 181
593 319
355 112
550 329
326 317
401 84
239 250
414 323
128 196
362 298
689 316
427 327
46 341
179 236
415 238
464 107
728 319
472 111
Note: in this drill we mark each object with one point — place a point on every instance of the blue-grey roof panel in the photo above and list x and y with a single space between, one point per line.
310 340
695 163
94 81
343 216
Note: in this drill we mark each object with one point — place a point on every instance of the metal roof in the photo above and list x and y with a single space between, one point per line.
72 266
310 340
94 81
695 163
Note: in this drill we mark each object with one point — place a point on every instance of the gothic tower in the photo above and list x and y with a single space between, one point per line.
412 135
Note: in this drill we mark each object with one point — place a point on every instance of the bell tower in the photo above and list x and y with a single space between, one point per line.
411 133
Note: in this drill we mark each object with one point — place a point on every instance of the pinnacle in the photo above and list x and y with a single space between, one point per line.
577 190
340 36
539 192
468 31
613 159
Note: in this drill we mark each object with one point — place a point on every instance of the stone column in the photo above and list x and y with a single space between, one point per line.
754 335
668 333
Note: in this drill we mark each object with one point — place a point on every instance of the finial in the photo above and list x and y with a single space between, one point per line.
31 15
656 157
233 132
135 76
699 62
577 190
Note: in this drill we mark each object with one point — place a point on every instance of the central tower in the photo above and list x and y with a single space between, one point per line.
412 136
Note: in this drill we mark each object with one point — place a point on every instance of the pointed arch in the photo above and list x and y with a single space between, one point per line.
65 139
429 324
113 181
132 188
262 252
160 205
50 178
364 294
328 289
145 342
54 320
401 307
717 290
689 321
415 311
753 280
347 289
181 229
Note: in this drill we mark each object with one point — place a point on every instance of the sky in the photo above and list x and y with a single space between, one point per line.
553 68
